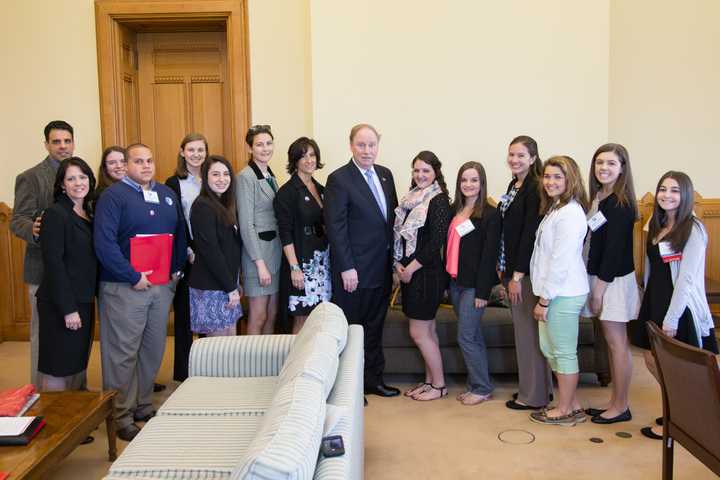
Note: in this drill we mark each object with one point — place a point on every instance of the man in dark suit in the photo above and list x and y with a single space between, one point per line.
33 194
360 201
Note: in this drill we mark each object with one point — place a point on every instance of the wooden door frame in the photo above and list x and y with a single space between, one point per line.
163 15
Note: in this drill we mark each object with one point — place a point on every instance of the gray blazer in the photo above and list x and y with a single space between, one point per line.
33 192
256 219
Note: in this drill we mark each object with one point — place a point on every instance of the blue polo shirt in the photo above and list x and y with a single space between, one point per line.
121 213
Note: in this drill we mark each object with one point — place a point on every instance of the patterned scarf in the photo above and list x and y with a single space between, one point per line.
410 216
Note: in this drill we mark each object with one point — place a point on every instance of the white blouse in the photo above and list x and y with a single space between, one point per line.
556 267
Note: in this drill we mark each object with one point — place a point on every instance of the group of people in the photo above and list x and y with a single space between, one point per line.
553 251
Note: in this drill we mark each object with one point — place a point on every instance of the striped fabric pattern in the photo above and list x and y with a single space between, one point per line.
187 447
239 356
348 395
316 358
332 321
221 396
287 444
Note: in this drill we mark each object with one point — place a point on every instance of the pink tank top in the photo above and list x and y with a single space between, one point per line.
453 247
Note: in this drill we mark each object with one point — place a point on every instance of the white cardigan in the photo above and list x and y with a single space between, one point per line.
556 267
688 277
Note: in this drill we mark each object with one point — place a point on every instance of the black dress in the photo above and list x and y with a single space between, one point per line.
68 285
300 223
655 304
421 297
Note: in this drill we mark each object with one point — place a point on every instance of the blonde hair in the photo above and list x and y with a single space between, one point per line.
574 188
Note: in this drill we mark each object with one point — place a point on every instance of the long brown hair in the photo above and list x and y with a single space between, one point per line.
684 218
532 148
574 188
104 180
224 205
181 170
624 188
481 202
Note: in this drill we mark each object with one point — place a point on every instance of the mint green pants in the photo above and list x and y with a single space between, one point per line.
559 335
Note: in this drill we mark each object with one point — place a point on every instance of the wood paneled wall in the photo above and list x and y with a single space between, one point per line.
15 309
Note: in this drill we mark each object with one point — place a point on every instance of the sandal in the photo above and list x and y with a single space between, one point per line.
475 398
443 393
419 388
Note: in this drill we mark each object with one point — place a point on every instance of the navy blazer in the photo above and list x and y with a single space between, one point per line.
360 236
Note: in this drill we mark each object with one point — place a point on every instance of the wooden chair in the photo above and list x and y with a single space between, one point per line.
690 381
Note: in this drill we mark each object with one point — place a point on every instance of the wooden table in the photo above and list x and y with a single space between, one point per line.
70 417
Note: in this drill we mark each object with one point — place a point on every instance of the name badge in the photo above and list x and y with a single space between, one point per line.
151 196
667 253
464 228
596 221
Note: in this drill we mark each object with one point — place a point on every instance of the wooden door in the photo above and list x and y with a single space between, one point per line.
130 92
182 80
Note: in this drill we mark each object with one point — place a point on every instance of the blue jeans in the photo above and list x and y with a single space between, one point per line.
470 338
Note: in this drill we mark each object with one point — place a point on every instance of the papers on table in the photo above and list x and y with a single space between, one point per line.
13 426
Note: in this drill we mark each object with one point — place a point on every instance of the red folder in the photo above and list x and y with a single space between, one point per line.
152 252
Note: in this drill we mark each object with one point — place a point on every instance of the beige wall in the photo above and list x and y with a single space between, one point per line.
665 89
461 80
48 48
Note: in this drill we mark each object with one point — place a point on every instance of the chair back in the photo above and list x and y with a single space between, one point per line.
690 381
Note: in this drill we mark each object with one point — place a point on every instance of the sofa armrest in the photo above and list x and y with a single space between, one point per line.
239 356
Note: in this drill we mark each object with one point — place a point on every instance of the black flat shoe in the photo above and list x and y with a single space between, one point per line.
382 390
513 405
158 387
659 421
647 431
365 402
594 412
626 416
88 440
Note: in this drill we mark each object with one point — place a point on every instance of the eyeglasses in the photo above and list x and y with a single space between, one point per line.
259 128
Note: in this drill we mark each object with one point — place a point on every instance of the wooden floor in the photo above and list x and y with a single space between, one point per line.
405 439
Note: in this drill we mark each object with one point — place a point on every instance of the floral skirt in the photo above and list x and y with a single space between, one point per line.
318 285
209 311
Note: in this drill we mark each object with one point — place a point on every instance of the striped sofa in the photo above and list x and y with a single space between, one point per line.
257 407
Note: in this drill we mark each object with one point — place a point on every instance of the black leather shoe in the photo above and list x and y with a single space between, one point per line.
158 387
143 418
365 402
626 416
513 405
659 421
382 390
647 431
594 412
128 433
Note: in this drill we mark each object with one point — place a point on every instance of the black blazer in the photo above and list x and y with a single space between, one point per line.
478 254
69 262
432 237
360 237
218 250
300 218
519 226
174 184
611 245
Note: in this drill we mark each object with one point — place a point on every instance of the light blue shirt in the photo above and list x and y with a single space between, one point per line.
376 181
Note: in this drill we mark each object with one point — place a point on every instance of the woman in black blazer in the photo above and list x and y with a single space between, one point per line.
214 280
471 259
305 271
66 294
186 184
519 219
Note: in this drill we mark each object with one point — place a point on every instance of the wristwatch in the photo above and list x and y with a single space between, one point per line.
295 268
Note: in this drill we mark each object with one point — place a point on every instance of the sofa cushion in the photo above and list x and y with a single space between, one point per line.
221 396
332 321
316 358
188 447
287 443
